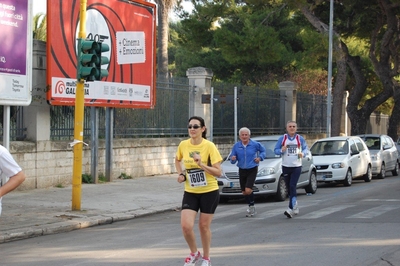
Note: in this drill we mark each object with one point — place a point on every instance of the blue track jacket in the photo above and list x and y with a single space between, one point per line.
245 155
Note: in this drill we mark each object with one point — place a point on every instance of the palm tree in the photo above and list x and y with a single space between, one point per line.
164 7
40 27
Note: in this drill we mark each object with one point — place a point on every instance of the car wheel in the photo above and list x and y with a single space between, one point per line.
281 192
348 179
382 173
312 186
368 174
395 171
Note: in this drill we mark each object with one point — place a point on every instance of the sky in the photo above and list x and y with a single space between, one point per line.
38 6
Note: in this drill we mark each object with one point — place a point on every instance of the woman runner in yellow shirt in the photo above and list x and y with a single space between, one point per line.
202 163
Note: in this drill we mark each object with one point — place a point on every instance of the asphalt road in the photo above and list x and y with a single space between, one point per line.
355 226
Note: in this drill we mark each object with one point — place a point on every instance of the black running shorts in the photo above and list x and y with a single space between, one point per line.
247 177
205 202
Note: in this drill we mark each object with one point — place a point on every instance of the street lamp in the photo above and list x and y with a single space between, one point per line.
329 101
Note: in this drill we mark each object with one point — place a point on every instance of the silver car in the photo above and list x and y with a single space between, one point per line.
269 180
340 159
383 153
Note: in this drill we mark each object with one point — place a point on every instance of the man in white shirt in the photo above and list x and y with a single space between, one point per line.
292 147
11 171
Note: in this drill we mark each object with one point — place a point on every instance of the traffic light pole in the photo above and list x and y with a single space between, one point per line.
78 123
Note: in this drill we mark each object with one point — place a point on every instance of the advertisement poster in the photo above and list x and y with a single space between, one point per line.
15 52
129 29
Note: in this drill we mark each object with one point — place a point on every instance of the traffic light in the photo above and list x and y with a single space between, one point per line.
87 59
101 60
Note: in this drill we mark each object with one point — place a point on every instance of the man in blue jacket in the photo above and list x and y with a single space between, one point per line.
247 153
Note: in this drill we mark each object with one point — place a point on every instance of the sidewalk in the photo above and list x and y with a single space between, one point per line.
49 211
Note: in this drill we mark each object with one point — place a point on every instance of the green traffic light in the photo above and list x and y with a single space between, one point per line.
101 60
87 60
105 48
87 45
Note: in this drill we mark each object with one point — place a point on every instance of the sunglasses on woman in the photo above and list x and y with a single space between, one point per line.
193 126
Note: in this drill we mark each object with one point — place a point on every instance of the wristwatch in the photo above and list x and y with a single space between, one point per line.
183 175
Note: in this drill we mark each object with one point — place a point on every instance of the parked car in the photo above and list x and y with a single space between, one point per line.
269 180
383 153
340 159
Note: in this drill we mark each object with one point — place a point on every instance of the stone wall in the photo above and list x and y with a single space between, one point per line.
50 163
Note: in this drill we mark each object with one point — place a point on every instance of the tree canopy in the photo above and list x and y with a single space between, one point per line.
264 42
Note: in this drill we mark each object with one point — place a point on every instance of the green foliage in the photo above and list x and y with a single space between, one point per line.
40 27
102 178
87 178
125 176
247 42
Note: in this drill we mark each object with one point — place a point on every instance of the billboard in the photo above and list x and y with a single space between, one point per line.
129 29
15 52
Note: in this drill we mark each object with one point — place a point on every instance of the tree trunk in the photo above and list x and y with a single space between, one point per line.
393 130
340 80
164 6
360 116
338 92
384 54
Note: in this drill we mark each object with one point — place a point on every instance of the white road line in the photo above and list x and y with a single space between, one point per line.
323 212
268 214
373 212
235 210
389 200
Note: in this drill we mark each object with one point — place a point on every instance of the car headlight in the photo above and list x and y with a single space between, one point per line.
375 156
337 165
266 171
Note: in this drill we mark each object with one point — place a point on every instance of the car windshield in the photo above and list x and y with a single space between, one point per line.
269 146
373 143
335 147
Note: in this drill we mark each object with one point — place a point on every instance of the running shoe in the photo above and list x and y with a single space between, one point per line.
251 211
288 213
192 259
206 263
296 209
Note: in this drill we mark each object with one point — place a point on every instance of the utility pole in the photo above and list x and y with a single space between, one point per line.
329 98
78 123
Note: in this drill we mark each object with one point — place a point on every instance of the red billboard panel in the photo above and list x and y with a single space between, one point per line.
129 29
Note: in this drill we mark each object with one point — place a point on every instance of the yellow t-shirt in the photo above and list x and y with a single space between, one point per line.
195 181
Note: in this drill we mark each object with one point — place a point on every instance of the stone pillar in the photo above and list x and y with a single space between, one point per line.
37 114
200 83
345 121
288 101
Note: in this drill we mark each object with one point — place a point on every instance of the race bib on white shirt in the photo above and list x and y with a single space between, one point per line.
292 150
197 178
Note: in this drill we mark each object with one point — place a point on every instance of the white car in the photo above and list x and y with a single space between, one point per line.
269 180
340 159
384 154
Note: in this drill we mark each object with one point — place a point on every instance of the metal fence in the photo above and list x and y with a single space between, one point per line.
17 129
168 118
257 108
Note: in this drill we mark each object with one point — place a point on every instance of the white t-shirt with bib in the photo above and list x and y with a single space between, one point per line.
8 167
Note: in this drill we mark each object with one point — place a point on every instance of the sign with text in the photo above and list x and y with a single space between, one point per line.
15 52
128 28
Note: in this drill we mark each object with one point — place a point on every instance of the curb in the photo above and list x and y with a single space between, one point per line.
76 222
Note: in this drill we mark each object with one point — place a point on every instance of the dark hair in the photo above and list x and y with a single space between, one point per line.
202 124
